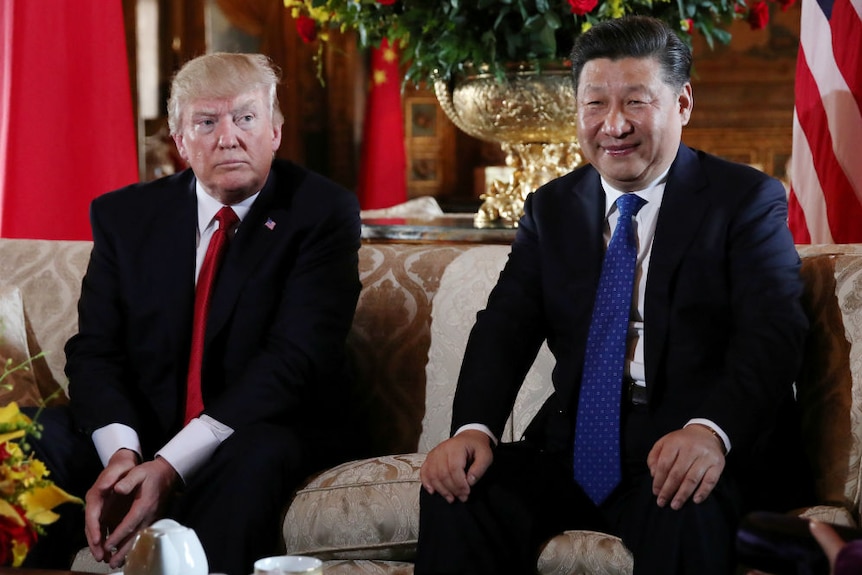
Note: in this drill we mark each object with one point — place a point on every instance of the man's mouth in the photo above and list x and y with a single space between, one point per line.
619 151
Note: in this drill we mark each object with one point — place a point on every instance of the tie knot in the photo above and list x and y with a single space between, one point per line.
226 218
629 204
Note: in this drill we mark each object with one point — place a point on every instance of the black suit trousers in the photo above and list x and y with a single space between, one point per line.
234 502
529 495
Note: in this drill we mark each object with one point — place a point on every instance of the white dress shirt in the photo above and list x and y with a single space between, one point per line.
644 225
196 442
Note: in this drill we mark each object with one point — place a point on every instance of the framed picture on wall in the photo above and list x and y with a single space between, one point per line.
430 138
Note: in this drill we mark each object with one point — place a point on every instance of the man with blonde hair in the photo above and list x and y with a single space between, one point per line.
208 376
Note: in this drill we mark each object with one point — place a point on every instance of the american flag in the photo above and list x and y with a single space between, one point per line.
826 167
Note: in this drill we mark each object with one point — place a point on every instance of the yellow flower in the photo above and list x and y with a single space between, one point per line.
39 503
27 497
6 510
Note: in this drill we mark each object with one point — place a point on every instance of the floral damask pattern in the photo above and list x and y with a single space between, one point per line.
363 516
391 335
361 510
48 274
830 382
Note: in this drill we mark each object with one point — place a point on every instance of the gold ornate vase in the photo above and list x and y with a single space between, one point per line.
531 115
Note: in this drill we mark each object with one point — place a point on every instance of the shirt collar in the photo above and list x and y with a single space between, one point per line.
652 190
208 206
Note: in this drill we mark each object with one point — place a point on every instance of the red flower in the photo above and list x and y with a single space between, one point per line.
688 25
307 29
386 2
581 7
758 16
10 532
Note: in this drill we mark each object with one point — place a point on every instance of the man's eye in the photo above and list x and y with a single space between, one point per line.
205 125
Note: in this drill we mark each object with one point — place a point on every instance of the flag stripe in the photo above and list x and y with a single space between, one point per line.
842 114
842 208
847 33
826 175
811 225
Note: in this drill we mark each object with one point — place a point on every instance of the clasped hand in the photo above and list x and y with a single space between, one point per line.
126 497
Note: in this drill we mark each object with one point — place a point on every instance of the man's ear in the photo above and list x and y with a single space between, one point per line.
181 148
686 103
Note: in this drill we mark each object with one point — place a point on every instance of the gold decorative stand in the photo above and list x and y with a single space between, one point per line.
531 114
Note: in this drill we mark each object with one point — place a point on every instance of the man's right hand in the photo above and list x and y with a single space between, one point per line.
126 497
454 466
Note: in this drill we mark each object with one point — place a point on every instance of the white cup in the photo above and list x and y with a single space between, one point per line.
288 565
166 548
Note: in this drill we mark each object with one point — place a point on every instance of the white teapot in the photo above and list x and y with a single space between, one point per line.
166 548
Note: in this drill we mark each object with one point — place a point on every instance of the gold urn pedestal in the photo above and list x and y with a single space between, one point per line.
531 115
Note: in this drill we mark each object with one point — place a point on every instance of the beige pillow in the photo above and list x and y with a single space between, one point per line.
366 509
26 382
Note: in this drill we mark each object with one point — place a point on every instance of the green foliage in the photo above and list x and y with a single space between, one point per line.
441 38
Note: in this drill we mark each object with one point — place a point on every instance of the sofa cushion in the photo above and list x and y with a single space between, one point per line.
390 336
463 292
829 382
366 509
19 376
48 273
585 552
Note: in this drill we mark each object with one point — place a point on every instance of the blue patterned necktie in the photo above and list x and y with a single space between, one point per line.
597 431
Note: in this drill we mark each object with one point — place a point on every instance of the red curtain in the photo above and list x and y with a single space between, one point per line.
382 171
67 131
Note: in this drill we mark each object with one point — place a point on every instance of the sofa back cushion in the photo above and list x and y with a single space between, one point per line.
391 335
463 292
830 382
48 274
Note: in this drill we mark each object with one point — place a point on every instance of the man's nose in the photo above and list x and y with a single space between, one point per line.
616 123
227 137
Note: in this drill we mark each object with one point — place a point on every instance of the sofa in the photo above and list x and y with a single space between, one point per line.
416 308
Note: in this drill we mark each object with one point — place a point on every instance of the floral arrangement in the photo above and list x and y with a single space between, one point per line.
27 497
438 37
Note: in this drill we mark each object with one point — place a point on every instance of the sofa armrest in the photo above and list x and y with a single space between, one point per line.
366 509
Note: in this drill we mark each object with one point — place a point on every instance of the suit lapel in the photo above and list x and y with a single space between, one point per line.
682 210
258 230
588 225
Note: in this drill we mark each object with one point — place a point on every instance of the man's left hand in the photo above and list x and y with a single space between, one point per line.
684 464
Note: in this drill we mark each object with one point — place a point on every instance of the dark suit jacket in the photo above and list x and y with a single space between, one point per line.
724 326
283 305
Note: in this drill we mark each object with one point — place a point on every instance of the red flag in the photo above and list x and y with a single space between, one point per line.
382 172
67 131
826 171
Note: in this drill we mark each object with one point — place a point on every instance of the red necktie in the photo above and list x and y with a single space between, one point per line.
227 219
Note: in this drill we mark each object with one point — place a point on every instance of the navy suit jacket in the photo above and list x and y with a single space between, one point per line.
724 326
279 316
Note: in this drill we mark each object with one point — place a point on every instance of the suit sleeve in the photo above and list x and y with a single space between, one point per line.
506 337
762 336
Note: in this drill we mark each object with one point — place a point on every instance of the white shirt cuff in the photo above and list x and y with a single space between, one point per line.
113 437
478 427
194 445
710 424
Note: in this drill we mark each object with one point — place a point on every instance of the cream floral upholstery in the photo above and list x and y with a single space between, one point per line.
416 308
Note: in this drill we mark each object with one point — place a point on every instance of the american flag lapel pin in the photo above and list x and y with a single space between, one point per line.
269 224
